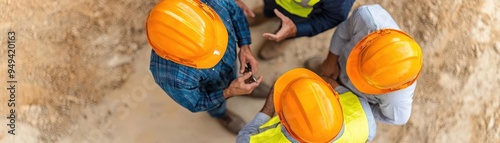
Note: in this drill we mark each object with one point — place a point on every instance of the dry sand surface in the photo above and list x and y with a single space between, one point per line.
82 72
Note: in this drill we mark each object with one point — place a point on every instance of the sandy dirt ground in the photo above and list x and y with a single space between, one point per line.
82 72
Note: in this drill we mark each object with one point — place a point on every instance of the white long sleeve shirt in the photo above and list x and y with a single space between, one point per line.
390 108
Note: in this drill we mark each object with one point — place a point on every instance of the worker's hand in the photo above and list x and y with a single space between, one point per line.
288 29
246 10
238 86
330 67
246 56
330 81
268 107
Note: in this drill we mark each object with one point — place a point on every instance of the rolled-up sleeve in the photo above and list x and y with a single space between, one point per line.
240 24
252 128
332 13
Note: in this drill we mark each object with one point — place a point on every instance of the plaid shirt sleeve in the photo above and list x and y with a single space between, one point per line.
189 96
240 24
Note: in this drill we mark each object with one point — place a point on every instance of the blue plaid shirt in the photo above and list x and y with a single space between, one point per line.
202 89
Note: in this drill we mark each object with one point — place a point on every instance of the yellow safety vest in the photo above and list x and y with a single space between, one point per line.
355 124
300 8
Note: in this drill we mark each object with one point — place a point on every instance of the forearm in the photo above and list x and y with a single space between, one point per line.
268 107
245 47
332 13
332 58
316 25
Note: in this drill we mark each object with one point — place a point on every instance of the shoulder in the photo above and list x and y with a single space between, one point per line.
166 72
374 17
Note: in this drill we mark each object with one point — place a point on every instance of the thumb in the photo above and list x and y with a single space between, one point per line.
250 12
270 36
243 63
257 83
259 80
280 15
246 75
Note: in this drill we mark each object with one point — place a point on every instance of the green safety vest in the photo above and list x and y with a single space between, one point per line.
355 124
300 8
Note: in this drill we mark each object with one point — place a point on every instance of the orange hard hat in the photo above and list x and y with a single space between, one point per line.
307 106
384 61
187 32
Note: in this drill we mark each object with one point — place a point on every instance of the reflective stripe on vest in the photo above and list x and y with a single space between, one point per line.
300 8
273 133
355 124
